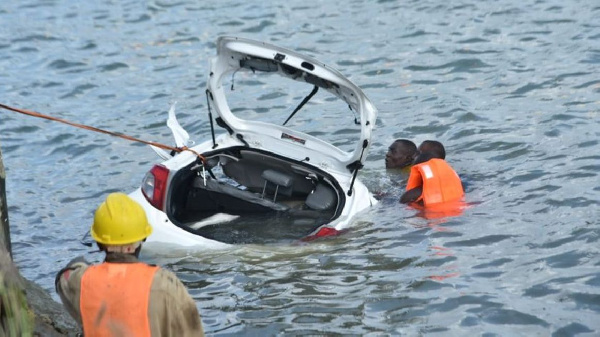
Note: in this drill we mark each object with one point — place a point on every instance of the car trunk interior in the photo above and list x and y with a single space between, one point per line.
247 196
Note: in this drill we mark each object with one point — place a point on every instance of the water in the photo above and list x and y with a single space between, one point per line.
510 87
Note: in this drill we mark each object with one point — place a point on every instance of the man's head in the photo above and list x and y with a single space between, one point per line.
434 147
400 154
120 224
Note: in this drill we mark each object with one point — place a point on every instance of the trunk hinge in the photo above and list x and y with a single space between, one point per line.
357 165
209 97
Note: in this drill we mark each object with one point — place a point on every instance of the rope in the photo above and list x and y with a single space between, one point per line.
91 128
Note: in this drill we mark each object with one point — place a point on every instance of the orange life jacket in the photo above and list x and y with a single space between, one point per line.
441 210
114 299
439 181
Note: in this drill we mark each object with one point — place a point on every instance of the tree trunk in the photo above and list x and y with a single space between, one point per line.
5 232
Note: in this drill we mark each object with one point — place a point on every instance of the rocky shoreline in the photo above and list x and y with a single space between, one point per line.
51 319
29 309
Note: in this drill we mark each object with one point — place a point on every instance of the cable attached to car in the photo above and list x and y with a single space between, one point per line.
91 128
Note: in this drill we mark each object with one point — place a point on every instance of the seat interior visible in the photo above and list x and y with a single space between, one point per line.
322 198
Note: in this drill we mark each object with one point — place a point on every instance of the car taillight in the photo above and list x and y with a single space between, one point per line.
154 185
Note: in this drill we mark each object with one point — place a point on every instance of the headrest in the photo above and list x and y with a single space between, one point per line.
277 178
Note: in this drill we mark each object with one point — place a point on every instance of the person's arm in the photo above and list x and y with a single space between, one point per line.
411 195
172 310
68 285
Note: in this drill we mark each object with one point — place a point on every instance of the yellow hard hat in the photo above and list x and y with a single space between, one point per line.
120 220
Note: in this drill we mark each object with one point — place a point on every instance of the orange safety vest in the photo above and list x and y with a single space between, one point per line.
441 210
440 182
114 299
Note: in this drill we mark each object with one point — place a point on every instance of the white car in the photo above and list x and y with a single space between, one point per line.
261 181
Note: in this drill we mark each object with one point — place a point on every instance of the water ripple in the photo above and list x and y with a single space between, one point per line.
464 65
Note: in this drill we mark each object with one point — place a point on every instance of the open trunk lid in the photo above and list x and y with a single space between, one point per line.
239 54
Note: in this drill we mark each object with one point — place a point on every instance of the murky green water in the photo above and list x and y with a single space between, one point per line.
510 87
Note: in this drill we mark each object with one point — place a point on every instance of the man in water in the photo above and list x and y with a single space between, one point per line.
434 147
398 160
400 154
123 296
432 180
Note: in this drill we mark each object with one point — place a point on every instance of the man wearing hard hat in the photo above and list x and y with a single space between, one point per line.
123 296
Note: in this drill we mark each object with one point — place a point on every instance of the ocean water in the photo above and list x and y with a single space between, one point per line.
510 87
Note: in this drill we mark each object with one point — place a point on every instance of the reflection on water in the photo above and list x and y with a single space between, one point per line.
509 87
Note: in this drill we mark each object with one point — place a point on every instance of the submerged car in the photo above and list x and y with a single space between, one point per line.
266 174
